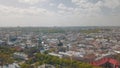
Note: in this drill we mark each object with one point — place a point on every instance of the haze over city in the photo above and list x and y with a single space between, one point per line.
59 33
59 13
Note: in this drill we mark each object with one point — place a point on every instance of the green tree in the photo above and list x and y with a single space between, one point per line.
24 65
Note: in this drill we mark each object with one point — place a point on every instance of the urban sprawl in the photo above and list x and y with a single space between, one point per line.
84 44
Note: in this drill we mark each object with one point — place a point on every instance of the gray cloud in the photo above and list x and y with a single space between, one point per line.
83 13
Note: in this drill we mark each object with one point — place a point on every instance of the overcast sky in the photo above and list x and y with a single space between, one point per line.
59 13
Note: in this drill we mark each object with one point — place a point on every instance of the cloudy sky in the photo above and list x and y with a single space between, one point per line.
59 13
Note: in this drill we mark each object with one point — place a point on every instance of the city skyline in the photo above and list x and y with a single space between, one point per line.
59 13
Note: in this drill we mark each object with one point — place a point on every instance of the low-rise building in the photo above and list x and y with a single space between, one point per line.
20 55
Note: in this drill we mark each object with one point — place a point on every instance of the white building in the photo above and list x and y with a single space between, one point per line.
14 65
20 56
54 54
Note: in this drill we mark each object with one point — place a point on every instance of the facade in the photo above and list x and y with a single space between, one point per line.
20 55
14 65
